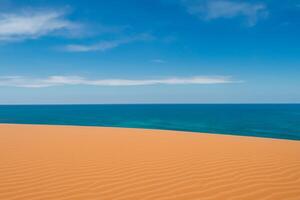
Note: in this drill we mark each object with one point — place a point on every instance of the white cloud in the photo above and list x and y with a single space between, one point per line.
19 81
34 23
106 45
214 9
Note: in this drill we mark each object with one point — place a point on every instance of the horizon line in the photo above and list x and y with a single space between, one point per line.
74 104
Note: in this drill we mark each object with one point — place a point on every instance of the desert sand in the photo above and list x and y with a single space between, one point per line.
90 163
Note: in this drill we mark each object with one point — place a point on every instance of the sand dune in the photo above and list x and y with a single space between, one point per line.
49 162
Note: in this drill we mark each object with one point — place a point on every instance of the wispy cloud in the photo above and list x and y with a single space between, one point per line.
19 81
106 45
34 23
161 61
214 9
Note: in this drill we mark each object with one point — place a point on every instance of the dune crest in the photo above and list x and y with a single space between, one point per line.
59 162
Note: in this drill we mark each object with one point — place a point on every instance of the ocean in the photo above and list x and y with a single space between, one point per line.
260 120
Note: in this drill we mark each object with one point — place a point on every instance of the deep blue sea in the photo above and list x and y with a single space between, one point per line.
262 120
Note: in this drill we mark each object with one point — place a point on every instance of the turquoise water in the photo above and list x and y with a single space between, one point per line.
262 120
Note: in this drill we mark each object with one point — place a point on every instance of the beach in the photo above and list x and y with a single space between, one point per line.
72 162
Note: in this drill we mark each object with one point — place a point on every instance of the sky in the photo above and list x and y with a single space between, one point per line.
149 51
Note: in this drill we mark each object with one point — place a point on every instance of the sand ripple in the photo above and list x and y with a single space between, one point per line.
67 163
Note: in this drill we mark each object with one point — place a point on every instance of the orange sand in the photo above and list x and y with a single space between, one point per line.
52 162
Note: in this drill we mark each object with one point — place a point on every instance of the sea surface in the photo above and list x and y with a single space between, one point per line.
261 120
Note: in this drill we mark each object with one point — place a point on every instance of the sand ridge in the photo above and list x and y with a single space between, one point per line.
89 163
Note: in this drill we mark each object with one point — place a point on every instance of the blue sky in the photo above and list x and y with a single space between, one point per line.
149 51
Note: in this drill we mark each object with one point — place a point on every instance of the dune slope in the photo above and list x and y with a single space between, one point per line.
57 162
